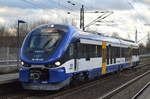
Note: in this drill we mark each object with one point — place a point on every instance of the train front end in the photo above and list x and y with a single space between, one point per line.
40 54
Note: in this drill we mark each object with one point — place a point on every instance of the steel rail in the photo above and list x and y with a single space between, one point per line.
141 91
120 88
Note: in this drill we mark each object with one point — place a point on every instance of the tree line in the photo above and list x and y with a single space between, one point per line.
8 35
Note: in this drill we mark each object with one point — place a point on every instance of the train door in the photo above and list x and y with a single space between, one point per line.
104 57
110 54
130 55
76 59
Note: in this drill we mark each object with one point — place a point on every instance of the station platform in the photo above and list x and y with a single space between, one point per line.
8 78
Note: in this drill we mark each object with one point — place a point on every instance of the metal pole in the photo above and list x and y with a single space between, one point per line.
136 36
18 45
148 37
18 40
82 18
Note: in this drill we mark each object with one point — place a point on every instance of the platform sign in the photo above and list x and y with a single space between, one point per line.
103 57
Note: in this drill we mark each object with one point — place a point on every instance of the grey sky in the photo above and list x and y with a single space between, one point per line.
124 15
97 4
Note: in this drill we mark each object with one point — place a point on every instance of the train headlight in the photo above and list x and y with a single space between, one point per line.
22 63
57 63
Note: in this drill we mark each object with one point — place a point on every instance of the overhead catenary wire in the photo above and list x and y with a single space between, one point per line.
66 7
142 38
37 6
56 2
34 5
103 16
138 14
88 6
60 4
77 15
85 5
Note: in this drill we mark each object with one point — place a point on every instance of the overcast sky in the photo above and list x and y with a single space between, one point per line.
128 14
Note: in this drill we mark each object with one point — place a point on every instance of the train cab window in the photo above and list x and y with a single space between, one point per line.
43 43
70 52
71 49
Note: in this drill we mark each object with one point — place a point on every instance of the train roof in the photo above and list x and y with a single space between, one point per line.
93 36
96 37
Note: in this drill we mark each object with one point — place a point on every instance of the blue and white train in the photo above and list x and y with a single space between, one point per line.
52 56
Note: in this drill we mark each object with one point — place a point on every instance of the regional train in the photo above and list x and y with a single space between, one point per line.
53 56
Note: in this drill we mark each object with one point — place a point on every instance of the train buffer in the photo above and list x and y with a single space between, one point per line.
9 78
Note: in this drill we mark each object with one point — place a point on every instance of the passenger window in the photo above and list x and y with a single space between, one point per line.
99 50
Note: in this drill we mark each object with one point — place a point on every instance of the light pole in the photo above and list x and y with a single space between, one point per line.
136 39
18 40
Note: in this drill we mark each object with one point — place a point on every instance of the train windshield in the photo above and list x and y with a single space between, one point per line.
43 43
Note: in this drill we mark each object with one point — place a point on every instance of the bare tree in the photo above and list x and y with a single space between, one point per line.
115 34
129 37
3 30
142 48
148 44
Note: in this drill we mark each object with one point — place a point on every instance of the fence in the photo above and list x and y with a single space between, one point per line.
8 53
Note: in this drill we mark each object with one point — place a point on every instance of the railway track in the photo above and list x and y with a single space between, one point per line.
101 81
141 91
118 90
90 89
